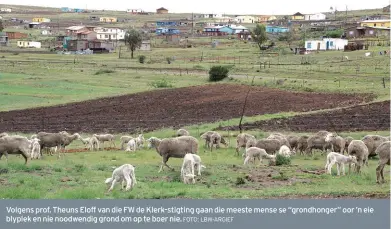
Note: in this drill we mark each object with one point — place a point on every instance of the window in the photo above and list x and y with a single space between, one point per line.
331 43
308 45
351 32
106 36
374 24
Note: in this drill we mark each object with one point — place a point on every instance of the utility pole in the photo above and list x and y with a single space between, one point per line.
346 15
192 24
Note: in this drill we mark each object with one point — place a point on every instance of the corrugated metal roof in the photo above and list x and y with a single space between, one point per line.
76 27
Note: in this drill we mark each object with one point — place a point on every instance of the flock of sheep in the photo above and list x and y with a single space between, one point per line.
186 147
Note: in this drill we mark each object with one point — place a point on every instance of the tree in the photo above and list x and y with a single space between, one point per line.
289 37
259 35
1 26
133 39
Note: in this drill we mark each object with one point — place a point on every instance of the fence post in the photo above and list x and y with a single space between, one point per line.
384 83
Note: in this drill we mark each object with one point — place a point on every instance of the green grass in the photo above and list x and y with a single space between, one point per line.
82 175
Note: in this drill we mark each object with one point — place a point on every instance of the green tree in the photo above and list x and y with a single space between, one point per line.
1 26
259 35
133 39
288 37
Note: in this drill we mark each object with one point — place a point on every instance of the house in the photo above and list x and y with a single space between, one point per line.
29 44
214 31
224 19
145 46
108 19
78 45
362 32
245 19
16 35
212 16
46 32
110 34
87 35
66 9
386 9
246 35
134 11
265 18
3 39
74 30
375 23
94 18
166 23
162 10
298 16
166 31
276 29
326 44
6 10
33 25
315 17
78 10
233 29
173 38
41 19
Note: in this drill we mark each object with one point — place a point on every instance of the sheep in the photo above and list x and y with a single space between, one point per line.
36 149
346 57
121 174
281 138
360 150
384 158
255 152
173 147
317 141
91 143
340 160
187 169
372 142
16 145
124 139
207 137
293 141
269 145
338 143
302 144
67 140
51 140
4 134
198 163
347 142
131 145
182 132
241 141
105 138
215 140
285 151
140 141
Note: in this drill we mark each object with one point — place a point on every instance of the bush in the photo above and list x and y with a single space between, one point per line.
217 73
162 83
104 71
141 59
281 160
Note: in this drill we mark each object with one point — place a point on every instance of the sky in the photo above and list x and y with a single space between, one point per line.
277 7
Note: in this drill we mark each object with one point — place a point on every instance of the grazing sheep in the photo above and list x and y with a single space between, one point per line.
131 145
67 140
140 141
281 138
36 149
207 137
4 134
384 158
241 141
285 151
16 145
121 174
372 142
51 140
182 132
338 143
302 144
124 140
105 138
198 163
187 169
270 145
215 140
92 143
293 141
360 150
340 160
173 147
347 142
254 152
318 141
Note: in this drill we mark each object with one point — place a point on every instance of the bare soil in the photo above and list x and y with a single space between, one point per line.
371 117
158 109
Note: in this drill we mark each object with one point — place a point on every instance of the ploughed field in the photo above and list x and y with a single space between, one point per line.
371 117
169 108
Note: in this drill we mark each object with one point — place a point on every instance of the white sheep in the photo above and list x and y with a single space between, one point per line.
340 160
131 145
198 163
187 169
254 153
285 151
121 174
36 149
140 141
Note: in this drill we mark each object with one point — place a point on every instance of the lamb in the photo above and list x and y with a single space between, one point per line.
302 143
187 169
198 163
140 141
105 138
16 145
360 150
255 152
340 160
338 143
269 145
131 145
173 147
281 138
182 132
241 141
285 151
121 174
215 140
91 143
384 158
36 149
124 139
318 141
372 142
293 141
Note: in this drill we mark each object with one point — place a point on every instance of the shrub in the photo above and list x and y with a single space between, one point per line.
218 73
162 83
141 59
281 160
104 71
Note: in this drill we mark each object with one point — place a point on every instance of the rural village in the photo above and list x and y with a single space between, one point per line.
195 105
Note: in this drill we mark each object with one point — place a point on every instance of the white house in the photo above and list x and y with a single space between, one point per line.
326 44
212 16
237 29
314 17
134 11
245 19
29 44
45 32
8 10
110 33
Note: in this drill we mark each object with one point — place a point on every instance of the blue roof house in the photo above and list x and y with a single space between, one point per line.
227 29
166 31
165 23
276 29
65 9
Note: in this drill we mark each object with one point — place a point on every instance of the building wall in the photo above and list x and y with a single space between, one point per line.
16 35
385 23
333 44
297 17
162 11
108 19
245 19
314 17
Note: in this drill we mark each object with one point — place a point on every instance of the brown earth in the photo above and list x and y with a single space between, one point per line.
371 117
157 109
